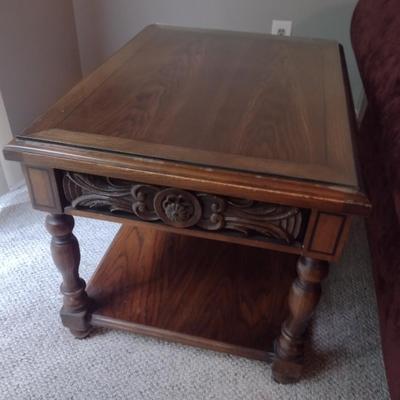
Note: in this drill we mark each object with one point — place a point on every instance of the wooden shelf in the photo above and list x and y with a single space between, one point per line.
222 296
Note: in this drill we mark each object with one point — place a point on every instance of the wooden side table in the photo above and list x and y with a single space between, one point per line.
228 158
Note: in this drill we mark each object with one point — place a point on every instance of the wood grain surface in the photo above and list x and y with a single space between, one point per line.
207 292
234 100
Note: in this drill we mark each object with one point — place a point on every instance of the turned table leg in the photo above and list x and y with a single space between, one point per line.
66 256
303 299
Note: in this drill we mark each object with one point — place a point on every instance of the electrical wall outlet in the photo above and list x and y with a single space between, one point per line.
282 28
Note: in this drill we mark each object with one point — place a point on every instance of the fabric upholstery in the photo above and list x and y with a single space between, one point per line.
376 42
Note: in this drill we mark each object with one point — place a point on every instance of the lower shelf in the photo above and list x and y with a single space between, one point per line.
221 296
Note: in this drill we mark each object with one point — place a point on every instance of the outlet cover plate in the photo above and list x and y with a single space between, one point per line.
283 28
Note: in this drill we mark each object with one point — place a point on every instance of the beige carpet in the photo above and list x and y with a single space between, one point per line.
40 360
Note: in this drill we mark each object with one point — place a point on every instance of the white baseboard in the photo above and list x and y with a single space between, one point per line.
17 185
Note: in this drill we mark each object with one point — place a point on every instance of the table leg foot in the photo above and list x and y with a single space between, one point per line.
77 322
303 299
285 372
75 312
80 334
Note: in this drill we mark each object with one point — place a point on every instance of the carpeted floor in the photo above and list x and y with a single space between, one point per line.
40 360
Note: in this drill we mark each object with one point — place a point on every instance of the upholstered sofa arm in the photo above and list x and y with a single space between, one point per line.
375 33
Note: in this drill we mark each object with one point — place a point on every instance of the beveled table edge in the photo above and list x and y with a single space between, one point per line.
321 174
252 186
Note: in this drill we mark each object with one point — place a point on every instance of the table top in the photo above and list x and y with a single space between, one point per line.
238 101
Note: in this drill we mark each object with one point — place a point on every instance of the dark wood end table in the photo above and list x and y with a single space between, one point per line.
227 157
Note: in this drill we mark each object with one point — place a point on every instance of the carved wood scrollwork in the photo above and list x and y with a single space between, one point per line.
184 209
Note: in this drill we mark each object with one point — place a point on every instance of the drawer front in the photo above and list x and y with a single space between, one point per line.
185 209
313 233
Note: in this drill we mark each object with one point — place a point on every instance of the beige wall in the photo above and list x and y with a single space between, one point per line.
39 56
39 62
103 25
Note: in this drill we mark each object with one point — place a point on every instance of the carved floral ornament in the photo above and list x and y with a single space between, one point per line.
183 209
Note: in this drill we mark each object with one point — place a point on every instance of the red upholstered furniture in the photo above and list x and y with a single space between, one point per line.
376 41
